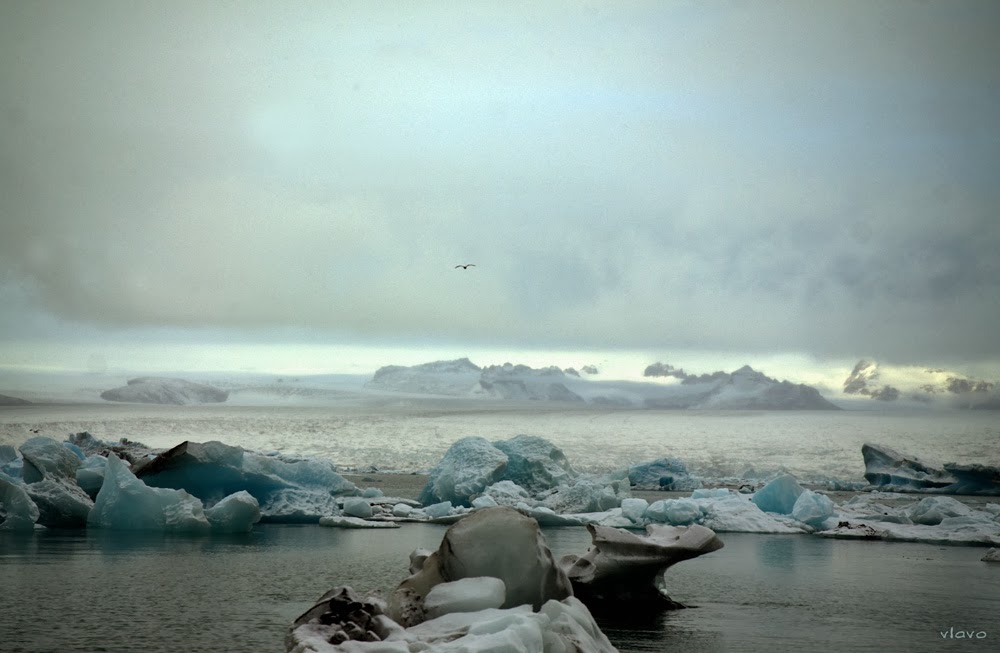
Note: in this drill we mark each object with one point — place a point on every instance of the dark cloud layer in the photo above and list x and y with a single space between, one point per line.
764 177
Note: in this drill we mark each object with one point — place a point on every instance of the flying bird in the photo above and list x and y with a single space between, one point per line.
465 266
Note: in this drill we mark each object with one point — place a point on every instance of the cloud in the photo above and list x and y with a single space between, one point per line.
766 178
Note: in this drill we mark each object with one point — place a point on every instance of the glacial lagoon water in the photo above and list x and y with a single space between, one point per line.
88 591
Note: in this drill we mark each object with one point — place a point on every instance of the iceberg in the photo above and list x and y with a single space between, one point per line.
46 457
931 511
90 475
737 515
887 468
491 587
467 468
50 480
662 474
813 508
503 493
534 463
61 502
588 494
633 509
357 507
126 503
17 511
778 496
298 490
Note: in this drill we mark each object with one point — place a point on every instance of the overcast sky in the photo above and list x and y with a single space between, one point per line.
806 179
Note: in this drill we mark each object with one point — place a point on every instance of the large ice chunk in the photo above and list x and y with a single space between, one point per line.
779 495
465 595
298 506
17 511
534 463
467 468
237 513
357 507
11 462
47 457
126 503
812 508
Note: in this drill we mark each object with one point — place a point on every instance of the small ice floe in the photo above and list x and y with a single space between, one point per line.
355 522
935 520
993 555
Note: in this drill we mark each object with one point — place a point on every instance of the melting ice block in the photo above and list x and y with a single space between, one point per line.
126 503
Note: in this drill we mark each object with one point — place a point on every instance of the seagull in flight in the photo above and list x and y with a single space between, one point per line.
465 266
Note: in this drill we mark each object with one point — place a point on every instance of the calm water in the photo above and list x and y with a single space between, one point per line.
87 591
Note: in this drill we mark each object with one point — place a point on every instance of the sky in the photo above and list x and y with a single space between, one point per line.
265 185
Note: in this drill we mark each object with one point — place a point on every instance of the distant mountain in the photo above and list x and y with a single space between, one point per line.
161 390
6 400
745 389
926 385
742 389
